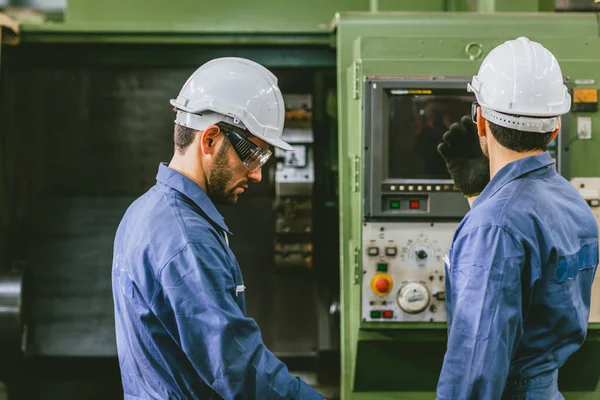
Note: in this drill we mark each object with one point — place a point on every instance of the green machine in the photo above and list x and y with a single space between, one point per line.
402 79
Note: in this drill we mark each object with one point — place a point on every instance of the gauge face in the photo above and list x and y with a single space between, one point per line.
413 298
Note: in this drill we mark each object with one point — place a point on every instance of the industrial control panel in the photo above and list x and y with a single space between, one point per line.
404 271
411 207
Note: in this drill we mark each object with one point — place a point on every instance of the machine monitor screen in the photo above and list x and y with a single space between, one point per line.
417 121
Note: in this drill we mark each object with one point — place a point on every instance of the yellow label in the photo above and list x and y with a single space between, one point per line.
581 95
419 91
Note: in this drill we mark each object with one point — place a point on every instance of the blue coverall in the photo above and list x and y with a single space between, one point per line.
178 291
518 285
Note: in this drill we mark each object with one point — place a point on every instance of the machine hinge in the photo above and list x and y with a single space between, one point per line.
355 173
356 265
356 72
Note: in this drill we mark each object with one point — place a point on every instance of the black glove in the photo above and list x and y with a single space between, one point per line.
468 166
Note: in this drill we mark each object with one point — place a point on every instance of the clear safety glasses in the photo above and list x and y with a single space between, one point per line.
252 155
474 111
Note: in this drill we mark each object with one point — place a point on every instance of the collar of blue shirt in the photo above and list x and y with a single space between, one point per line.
515 170
193 191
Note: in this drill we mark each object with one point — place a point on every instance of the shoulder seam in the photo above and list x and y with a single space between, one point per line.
177 253
177 213
508 201
490 225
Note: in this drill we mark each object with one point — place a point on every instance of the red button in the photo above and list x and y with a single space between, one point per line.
415 204
382 285
388 314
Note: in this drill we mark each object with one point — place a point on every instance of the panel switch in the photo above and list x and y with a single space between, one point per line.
391 251
373 251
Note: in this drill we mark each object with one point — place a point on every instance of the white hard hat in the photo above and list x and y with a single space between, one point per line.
235 90
522 78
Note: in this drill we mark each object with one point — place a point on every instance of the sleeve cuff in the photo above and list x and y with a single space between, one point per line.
307 392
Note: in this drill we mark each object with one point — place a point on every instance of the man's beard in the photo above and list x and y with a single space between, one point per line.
219 178
484 147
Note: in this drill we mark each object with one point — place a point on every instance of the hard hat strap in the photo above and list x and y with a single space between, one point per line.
202 121
521 123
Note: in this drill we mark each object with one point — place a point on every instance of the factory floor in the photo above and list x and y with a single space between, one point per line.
330 393
49 378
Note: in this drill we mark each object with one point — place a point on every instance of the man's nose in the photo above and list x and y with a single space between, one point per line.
255 176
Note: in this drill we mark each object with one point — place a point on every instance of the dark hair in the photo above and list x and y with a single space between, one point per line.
184 137
520 141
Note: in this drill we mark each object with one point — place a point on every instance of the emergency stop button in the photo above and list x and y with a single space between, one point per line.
381 284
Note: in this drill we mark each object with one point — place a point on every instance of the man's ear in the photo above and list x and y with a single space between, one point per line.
555 133
480 123
209 140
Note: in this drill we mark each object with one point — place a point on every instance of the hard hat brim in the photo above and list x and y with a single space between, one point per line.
277 143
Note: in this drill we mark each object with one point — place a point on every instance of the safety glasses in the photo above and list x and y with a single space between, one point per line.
474 111
252 155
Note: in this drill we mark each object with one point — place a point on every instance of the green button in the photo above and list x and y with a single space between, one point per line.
375 314
382 267
394 204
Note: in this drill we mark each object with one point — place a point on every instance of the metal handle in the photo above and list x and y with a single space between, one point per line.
11 310
334 308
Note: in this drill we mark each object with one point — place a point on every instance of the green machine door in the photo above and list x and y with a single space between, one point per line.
398 208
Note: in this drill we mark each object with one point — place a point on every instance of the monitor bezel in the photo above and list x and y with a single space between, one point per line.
376 135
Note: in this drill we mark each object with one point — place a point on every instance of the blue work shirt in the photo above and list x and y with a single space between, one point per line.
181 325
519 277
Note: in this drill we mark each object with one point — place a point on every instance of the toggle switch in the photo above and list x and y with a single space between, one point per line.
373 251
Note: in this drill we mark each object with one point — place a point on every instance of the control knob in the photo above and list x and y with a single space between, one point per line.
413 298
422 254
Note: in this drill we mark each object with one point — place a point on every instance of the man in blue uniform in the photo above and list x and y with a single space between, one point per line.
520 268
181 325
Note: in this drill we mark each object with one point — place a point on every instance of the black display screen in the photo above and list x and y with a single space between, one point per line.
417 121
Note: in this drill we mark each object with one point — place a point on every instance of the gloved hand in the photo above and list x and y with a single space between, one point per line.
466 163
